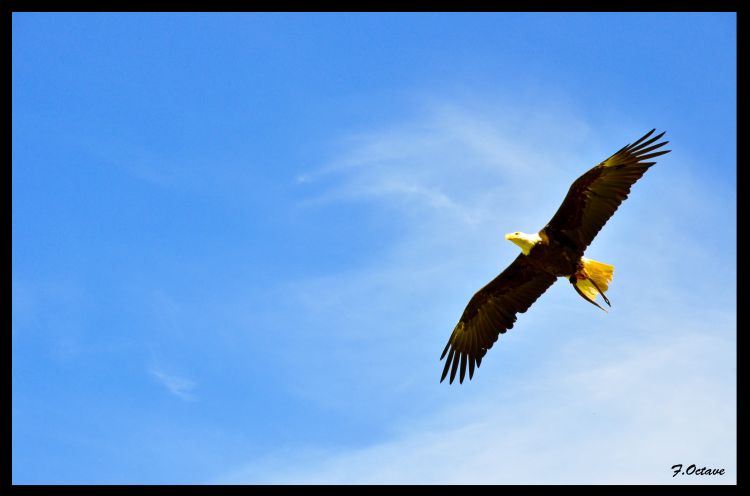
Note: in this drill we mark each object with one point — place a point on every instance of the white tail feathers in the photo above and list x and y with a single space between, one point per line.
594 279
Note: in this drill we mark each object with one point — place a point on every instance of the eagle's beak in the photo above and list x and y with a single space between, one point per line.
509 237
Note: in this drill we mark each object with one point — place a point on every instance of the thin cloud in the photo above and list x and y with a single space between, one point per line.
178 386
578 421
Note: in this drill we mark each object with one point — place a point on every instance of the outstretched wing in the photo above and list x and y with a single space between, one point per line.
594 197
491 312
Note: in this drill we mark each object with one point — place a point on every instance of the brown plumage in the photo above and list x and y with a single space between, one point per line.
594 197
556 251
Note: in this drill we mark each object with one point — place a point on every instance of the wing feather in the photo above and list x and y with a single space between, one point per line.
595 196
491 312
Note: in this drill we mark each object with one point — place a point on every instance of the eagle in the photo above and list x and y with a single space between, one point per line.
555 251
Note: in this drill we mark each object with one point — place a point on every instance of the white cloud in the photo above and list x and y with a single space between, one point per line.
453 160
178 386
618 416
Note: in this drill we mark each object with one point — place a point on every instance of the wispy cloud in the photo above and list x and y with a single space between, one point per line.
176 385
626 418
451 160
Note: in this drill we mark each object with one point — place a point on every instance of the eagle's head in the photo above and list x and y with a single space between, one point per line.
525 241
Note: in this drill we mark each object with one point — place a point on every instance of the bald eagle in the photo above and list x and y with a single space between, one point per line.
555 251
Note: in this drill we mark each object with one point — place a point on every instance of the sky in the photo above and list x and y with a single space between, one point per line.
240 243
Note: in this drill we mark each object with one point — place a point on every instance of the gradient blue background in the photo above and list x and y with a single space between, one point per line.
240 242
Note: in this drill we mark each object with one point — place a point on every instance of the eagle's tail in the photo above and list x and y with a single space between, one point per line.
593 279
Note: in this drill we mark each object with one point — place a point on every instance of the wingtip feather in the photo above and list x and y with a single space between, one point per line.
454 369
463 368
445 350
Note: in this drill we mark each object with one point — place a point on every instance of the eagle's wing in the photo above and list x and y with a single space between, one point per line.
594 197
492 311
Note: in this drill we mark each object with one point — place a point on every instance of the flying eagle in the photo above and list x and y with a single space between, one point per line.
555 251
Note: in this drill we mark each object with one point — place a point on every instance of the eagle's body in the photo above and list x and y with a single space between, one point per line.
555 251
552 256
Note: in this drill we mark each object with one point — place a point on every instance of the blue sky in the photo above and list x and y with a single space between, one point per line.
241 241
